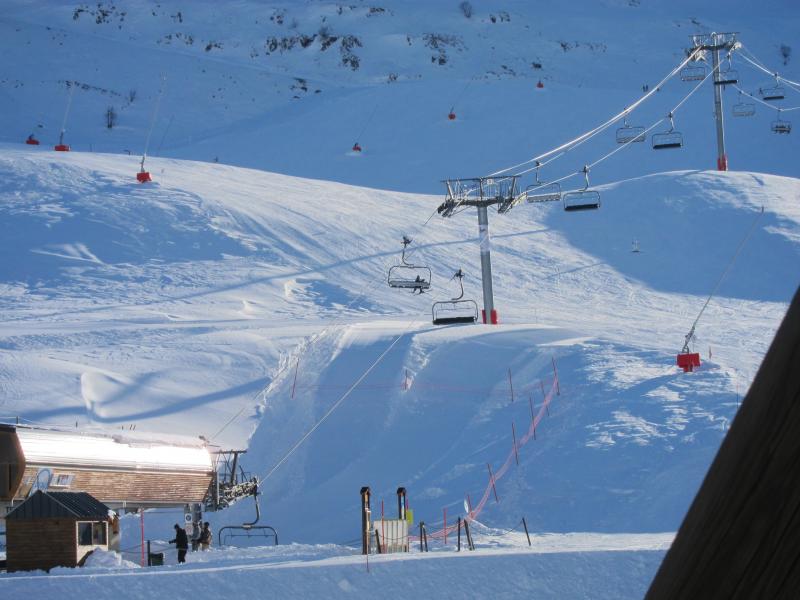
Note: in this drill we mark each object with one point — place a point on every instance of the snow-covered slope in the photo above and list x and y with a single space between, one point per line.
251 307
290 86
186 305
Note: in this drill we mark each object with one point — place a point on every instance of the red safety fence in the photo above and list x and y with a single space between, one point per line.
512 454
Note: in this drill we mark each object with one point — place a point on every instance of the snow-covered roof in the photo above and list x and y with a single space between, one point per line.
60 448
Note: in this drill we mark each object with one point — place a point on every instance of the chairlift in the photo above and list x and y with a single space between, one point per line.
584 199
452 114
781 126
669 138
743 109
456 310
630 133
542 191
32 141
356 147
773 93
697 73
408 276
727 77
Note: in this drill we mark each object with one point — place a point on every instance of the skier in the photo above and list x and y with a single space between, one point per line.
419 281
205 536
196 533
181 542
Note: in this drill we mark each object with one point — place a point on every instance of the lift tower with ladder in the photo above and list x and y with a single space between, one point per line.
715 42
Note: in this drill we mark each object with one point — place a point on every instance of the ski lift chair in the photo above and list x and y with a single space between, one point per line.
669 138
408 276
456 310
584 199
743 109
773 93
630 133
693 73
541 191
727 77
781 126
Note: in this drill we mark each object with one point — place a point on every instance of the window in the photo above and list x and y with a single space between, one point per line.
84 534
62 480
92 534
99 537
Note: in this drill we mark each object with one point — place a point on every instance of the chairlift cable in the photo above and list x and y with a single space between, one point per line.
760 66
153 118
690 335
625 145
69 105
602 127
767 104
461 94
366 123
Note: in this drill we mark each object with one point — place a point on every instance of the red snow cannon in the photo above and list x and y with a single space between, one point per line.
540 85
688 361
32 141
356 147
143 177
452 116
61 148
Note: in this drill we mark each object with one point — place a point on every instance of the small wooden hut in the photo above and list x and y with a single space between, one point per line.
55 529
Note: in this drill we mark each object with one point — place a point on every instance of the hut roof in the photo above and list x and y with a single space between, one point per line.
50 505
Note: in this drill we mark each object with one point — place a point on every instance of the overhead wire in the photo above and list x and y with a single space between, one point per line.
575 142
753 60
765 103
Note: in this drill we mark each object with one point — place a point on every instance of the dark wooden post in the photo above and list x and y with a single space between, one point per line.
741 536
527 535
365 519
459 535
470 545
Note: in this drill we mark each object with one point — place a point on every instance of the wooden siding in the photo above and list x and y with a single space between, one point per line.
41 544
130 487
741 536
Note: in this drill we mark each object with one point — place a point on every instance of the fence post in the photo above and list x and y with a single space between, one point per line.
491 479
533 418
555 374
470 545
378 541
149 555
296 368
421 530
514 438
459 535
527 535
511 385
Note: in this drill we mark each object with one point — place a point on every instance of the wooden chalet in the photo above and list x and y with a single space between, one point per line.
55 529
123 471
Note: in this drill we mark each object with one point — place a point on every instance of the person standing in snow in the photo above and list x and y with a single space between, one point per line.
181 542
205 536
196 532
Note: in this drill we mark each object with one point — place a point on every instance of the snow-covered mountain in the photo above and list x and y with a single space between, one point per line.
246 300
